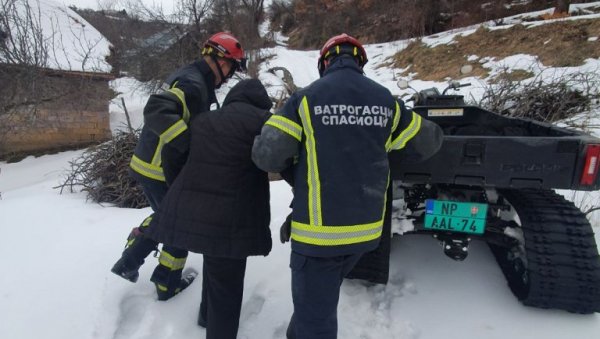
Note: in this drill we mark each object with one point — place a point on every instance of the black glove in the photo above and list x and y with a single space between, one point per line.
286 229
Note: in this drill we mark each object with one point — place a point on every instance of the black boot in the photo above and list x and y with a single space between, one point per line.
165 293
125 270
137 249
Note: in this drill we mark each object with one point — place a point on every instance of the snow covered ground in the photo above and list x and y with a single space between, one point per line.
58 250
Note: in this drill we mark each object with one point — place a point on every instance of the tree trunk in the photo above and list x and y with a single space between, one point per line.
561 7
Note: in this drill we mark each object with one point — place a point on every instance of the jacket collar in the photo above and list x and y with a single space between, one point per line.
342 62
209 78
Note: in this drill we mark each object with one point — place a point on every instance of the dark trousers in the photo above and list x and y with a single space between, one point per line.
316 285
167 274
142 246
139 247
154 191
222 292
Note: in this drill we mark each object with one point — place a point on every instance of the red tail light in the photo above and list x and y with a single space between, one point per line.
592 162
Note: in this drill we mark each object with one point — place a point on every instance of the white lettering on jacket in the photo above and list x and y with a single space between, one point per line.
337 115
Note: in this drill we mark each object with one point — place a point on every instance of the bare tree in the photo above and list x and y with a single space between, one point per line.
196 11
255 11
23 52
31 43
22 40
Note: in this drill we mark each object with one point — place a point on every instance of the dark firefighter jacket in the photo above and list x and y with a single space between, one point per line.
339 130
189 91
219 204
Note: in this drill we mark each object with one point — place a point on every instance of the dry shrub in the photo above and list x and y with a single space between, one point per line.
511 75
548 98
102 172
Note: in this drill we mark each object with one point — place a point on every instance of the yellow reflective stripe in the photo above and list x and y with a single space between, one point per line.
162 287
396 117
410 131
385 196
286 125
147 221
388 143
146 169
170 261
336 235
181 96
171 133
314 183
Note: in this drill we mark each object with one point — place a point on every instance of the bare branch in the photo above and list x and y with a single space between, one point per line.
102 172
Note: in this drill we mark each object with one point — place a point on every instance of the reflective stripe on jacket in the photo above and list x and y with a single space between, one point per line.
344 125
167 116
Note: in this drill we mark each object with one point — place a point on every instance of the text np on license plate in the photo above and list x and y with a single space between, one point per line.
453 216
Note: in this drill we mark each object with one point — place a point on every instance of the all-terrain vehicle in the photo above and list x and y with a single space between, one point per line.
493 180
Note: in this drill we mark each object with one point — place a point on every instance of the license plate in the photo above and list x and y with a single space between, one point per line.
453 216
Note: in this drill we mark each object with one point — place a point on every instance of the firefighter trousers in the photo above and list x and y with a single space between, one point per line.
167 274
316 283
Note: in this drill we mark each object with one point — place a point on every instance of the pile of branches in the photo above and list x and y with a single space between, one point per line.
542 98
102 172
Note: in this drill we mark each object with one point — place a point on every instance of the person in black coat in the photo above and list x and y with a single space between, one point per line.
164 140
218 205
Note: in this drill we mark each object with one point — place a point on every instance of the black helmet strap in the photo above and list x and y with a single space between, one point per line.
223 77
338 50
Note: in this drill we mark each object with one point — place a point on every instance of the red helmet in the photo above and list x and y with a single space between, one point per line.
225 45
342 44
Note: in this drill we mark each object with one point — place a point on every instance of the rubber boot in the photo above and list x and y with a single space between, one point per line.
167 275
166 293
137 249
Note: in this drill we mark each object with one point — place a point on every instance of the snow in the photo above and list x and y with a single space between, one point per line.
58 256
72 43
58 251
167 6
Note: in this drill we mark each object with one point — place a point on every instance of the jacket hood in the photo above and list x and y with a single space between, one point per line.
250 91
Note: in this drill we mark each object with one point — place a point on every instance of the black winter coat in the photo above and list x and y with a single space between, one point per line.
219 203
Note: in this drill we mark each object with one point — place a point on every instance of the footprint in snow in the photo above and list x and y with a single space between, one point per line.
252 307
280 331
132 311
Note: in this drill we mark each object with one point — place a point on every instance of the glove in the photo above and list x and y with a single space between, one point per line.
286 229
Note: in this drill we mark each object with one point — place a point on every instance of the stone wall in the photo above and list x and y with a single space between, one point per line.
69 110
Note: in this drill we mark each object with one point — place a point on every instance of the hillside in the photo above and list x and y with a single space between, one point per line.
309 22
555 43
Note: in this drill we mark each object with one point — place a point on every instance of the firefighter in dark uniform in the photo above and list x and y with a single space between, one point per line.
336 133
219 204
162 150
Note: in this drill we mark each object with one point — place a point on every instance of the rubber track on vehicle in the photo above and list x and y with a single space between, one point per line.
562 257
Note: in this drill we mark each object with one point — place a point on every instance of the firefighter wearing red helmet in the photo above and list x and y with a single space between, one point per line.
335 136
225 47
162 150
